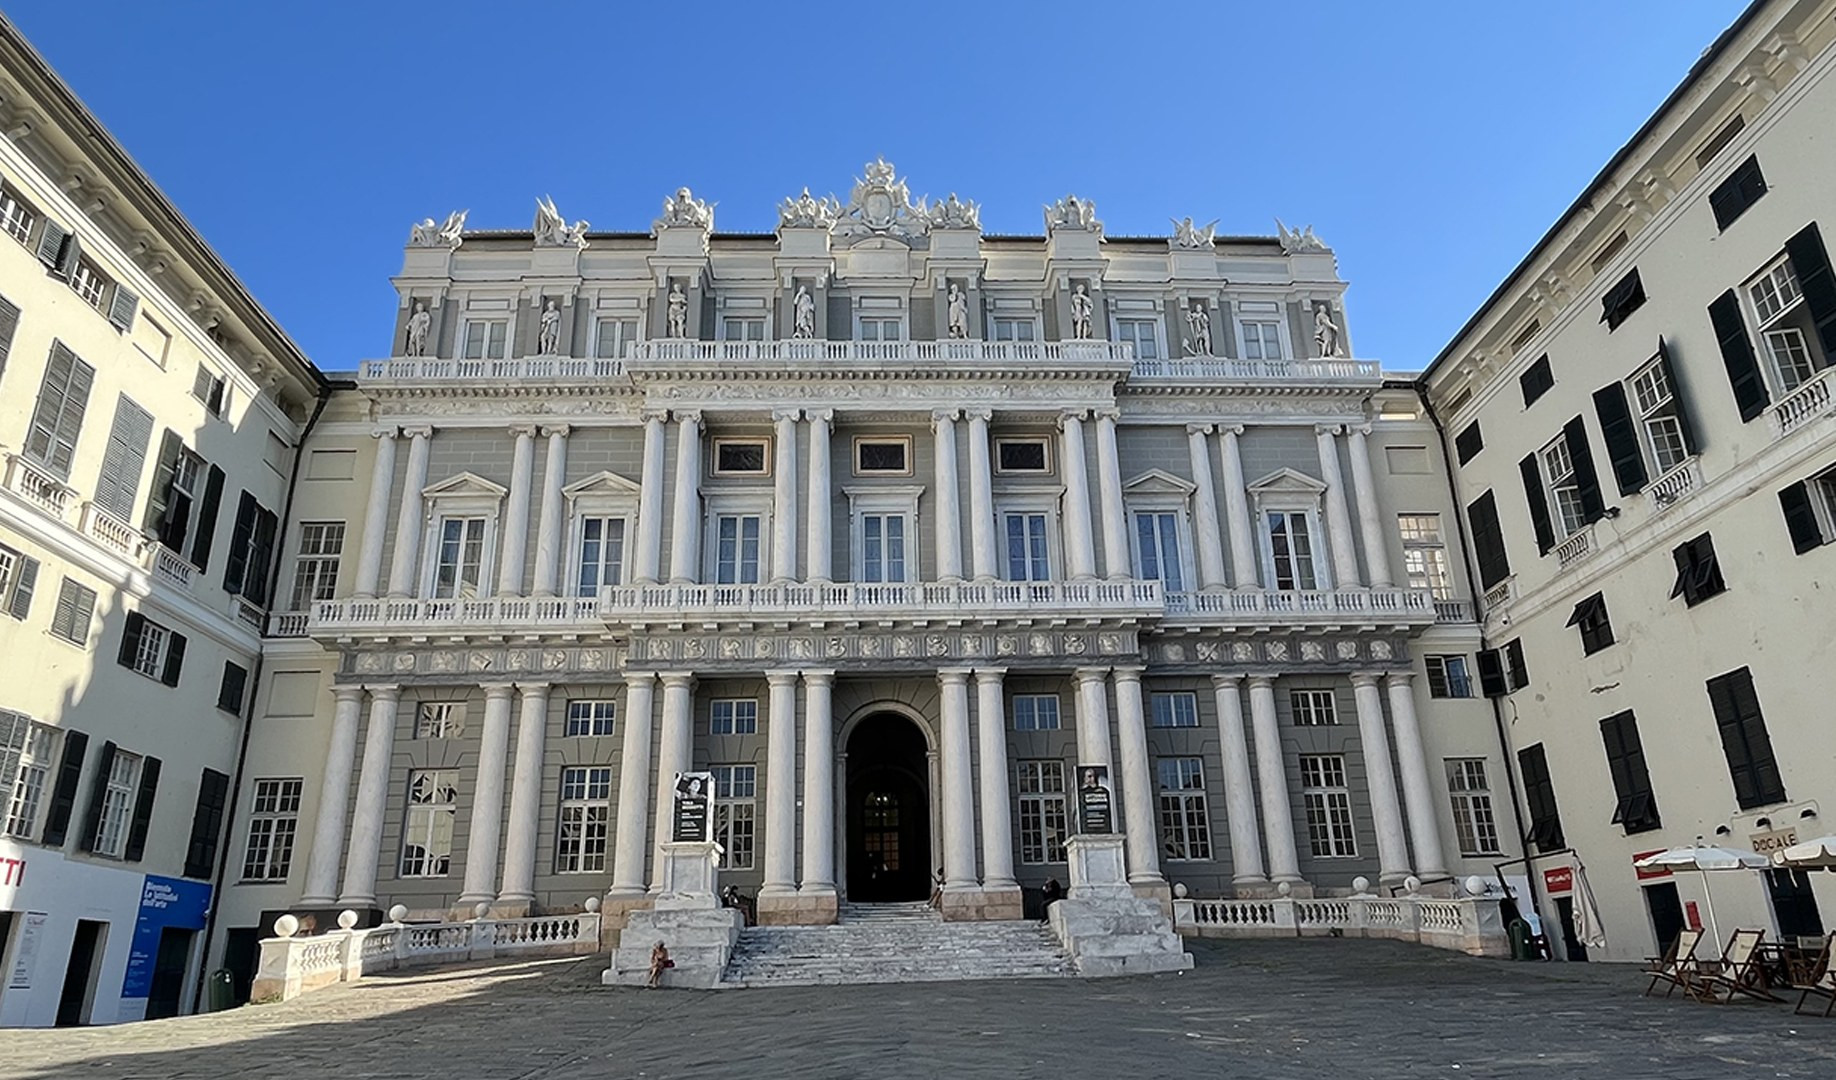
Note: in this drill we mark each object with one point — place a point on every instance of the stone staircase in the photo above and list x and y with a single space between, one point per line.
887 943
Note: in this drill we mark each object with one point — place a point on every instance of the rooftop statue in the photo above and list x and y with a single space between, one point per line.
805 212
446 235
954 213
1072 212
881 203
552 230
1299 241
684 209
1188 235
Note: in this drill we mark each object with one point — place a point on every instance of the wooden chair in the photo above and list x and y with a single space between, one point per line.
1672 969
1738 973
1823 985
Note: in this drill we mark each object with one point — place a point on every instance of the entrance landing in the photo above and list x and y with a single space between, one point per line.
889 943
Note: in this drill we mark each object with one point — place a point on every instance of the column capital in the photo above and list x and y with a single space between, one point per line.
1358 431
783 416
1327 430
498 689
1365 678
419 431
348 693
523 431
1261 682
672 679
531 689
782 677
1111 415
1399 678
1231 430
388 431
945 416
1129 672
1090 674
1220 679
1200 429
654 416
952 676
990 673
823 416
384 691
1072 416
820 678
639 677
556 430
984 415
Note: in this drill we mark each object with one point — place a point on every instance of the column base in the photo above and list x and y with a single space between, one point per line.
982 904
355 903
797 909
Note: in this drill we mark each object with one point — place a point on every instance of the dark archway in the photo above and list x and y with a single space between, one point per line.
889 813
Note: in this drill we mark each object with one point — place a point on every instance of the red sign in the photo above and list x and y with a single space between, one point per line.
1647 873
1559 879
12 871
1692 915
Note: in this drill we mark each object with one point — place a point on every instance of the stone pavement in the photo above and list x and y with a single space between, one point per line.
1341 1009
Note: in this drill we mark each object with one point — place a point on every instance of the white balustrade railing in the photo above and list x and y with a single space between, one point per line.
1407 603
289 624
430 369
37 486
1219 369
1673 485
876 352
1470 924
1452 611
1500 594
112 532
169 565
1574 547
1810 400
534 612
840 600
252 614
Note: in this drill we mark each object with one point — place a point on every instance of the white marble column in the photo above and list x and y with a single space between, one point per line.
647 561
1109 481
781 786
1338 518
375 518
549 541
334 797
365 845
404 567
1272 779
1380 779
1137 780
634 787
1245 567
1205 521
1417 779
1239 792
1093 717
784 497
983 561
1080 539
818 783
675 753
958 785
685 518
997 812
949 498
488 798
516 512
1370 520
525 795
820 549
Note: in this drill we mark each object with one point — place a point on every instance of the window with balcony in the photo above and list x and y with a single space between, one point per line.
583 823
1787 330
1259 326
1158 550
427 827
1035 712
735 813
458 570
1425 554
1185 821
484 339
1292 559
883 548
57 418
742 328
1043 815
315 571
28 753
736 548
1561 487
1028 546
613 337
600 544
1143 334
876 327
1327 800
1564 488
1475 824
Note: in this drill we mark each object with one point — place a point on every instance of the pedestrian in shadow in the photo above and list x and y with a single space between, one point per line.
1051 894
659 962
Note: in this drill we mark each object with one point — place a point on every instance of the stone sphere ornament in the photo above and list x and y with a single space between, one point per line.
480 910
1412 884
1284 889
347 919
286 926
1476 885
398 913
1180 891
592 904
1361 885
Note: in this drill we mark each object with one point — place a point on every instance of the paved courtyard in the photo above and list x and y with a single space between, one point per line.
1303 1008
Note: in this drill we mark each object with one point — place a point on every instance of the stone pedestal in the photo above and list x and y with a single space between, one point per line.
815 908
1106 928
615 913
982 904
686 917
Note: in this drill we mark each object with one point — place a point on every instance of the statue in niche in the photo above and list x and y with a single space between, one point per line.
1082 308
677 311
959 312
552 230
1326 332
803 315
1198 321
418 325
548 341
1194 237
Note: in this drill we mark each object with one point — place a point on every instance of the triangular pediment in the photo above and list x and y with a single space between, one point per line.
464 484
1287 481
602 483
1159 482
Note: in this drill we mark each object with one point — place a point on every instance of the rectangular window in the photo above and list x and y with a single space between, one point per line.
1328 804
57 418
427 827
1488 541
438 720
1036 712
27 755
315 573
602 554
274 818
733 716
742 457
18 581
1262 340
1564 487
1698 571
1590 615
209 388
1517 675
151 649
1028 557
883 547
1425 554
1022 456
883 456
1313 708
1010 329
736 549
1740 190
1745 741
1539 797
89 282
1291 549
584 820
484 339
1720 140
1469 442
1659 417
149 655
1636 809
1448 676
1044 821
1475 826
16 217
231 687
587 718
1157 544
1178 710
735 813
882 329
742 328
459 561
1536 380
117 804
1626 296
1142 334
613 338
1185 824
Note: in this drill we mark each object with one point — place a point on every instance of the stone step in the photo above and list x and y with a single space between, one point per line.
893 943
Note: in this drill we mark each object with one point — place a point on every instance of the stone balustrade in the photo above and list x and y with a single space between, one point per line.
1218 369
970 355
38 487
842 601
1260 606
1470 924
112 532
415 370
562 613
1809 401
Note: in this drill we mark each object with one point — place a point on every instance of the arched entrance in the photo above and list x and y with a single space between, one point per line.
889 815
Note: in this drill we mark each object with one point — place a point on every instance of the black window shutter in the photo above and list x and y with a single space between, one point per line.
175 658
1587 482
1750 394
1817 283
1488 540
98 790
143 810
238 564
1741 189
25 582
64 792
51 244
122 306
1538 503
1683 556
1679 399
1536 380
1491 674
1469 442
207 519
9 323
130 639
1621 436
261 557
1516 671
1800 519
206 824
170 444
1625 297
229 692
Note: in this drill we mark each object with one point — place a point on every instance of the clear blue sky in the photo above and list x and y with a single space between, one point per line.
1431 143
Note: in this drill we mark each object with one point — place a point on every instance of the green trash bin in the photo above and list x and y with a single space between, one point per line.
222 990
1519 931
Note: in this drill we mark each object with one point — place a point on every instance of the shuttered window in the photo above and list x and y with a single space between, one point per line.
1539 795
18 581
1626 296
1751 764
1590 616
9 325
251 551
64 791
57 419
1636 807
1698 571
1817 282
1517 674
230 690
1469 442
1810 511
119 485
1741 189
1488 541
76 608
206 824
1750 394
1536 380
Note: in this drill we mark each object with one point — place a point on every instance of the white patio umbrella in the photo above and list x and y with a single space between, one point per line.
1706 859
1590 930
1810 855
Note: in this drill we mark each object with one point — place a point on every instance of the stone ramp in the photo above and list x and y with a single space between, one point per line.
890 943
